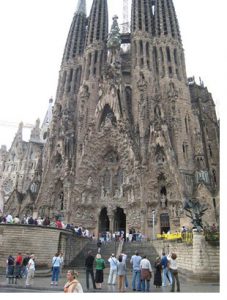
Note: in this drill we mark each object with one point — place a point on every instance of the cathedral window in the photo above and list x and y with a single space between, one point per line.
155 59
178 74
141 48
170 72
148 54
210 150
214 176
175 57
185 151
61 198
186 124
141 62
162 61
168 54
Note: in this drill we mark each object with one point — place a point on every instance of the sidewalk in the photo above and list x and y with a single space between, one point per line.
43 284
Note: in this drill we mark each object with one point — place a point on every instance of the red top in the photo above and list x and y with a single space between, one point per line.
58 224
19 259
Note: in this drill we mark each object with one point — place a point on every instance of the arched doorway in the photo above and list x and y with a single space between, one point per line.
164 222
119 220
104 223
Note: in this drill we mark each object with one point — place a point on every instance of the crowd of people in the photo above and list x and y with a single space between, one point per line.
165 271
165 268
54 222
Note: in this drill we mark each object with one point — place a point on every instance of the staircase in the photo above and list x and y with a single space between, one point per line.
106 250
144 248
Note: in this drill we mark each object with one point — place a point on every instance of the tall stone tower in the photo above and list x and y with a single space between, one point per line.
131 138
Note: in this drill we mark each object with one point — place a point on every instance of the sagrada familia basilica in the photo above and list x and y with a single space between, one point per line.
129 139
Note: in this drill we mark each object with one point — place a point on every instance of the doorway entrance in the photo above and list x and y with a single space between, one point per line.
164 223
119 220
104 222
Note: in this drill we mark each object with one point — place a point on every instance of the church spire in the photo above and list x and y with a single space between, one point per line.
76 38
166 22
81 7
142 16
98 22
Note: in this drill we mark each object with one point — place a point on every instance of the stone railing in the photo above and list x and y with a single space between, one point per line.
200 258
44 242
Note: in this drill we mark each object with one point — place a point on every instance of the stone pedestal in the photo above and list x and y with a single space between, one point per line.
200 257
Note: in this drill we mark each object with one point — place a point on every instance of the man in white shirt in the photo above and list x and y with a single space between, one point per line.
146 273
9 219
31 271
113 270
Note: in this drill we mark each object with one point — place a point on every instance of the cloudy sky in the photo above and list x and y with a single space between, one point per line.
33 35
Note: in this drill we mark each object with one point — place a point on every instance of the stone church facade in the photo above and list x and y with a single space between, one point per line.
131 137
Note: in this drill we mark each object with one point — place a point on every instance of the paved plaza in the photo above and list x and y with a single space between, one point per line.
42 285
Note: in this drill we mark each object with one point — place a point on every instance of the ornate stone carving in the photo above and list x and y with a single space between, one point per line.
84 92
172 91
142 83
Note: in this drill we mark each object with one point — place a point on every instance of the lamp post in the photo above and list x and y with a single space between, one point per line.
153 223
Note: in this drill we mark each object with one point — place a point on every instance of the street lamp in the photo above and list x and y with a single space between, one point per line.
153 216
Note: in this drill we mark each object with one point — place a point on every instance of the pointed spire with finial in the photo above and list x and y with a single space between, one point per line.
81 7
76 38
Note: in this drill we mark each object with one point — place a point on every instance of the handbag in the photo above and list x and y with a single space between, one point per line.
146 274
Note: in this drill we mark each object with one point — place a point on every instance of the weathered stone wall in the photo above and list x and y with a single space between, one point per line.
201 258
44 242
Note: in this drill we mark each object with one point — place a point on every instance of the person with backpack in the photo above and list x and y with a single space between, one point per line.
10 268
165 270
25 261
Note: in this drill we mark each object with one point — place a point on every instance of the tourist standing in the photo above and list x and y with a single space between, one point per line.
113 269
146 274
56 263
31 271
10 267
99 266
158 272
9 219
99 244
135 261
124 260
89 261
72 285
165 270
19 260
174 271
24 271
121 272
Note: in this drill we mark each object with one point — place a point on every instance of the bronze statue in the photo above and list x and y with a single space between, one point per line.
196 210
